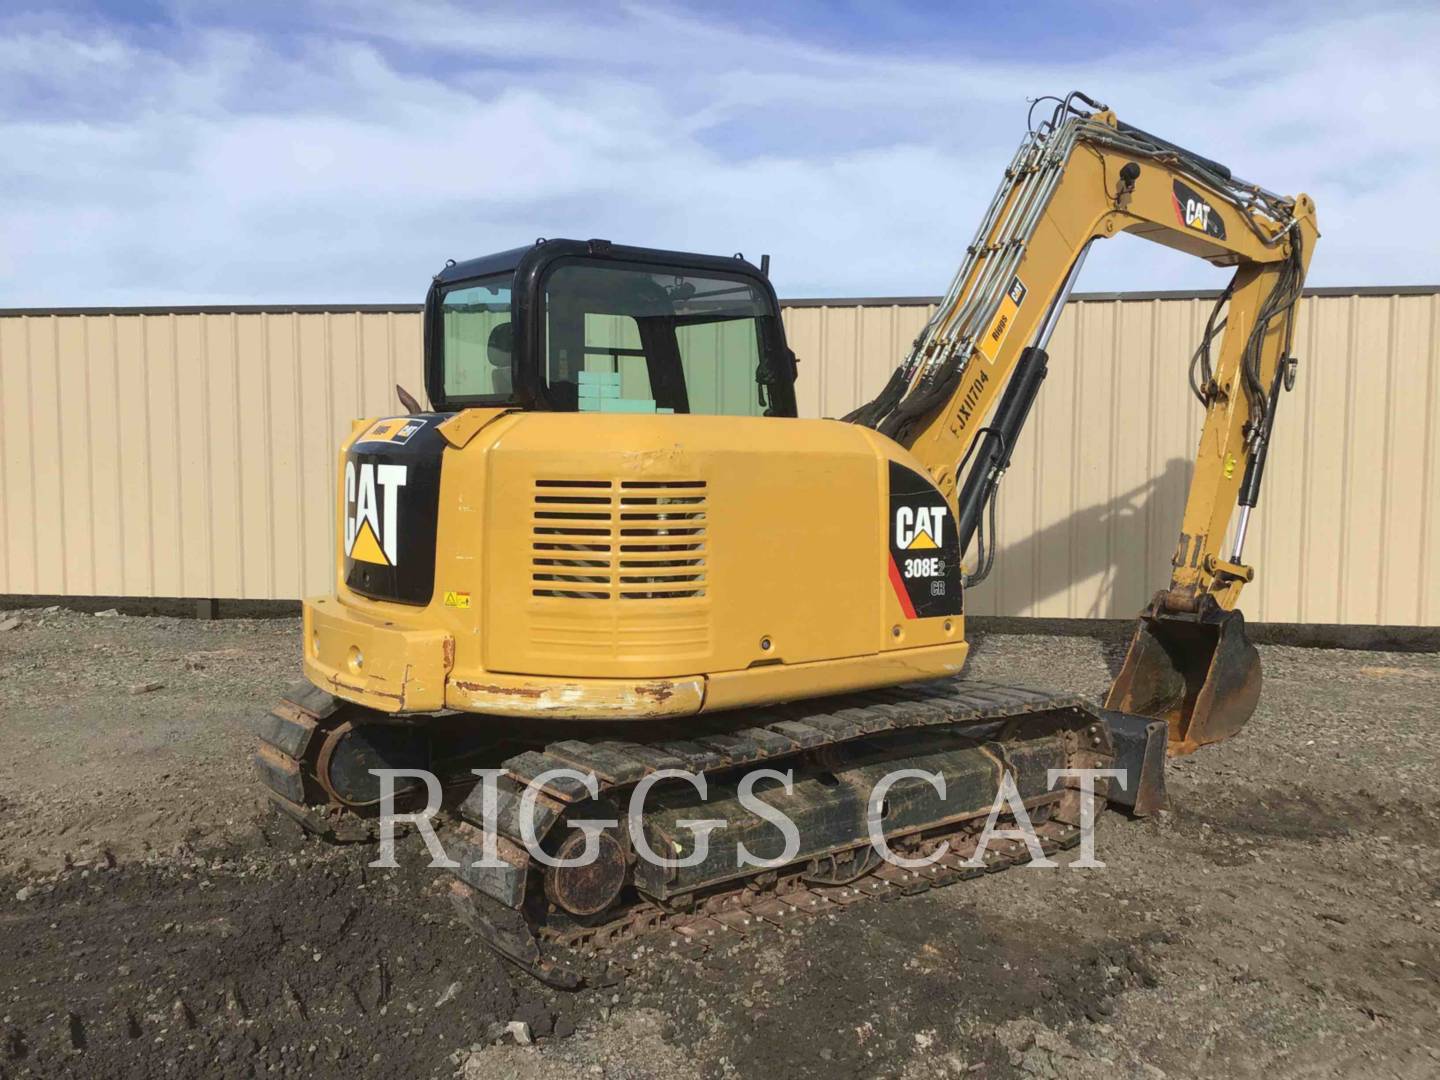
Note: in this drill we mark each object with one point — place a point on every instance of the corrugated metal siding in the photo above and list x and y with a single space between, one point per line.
1088 514
191 454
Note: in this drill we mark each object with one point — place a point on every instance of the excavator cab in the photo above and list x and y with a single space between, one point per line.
591 326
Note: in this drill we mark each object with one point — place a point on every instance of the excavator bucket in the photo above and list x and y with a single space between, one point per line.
1197 671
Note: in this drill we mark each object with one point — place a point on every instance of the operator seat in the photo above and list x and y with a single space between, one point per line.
501 352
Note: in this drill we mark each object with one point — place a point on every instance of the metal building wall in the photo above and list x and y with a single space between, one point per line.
184 454
191 453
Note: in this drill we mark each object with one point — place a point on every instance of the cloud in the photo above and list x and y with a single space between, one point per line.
341 154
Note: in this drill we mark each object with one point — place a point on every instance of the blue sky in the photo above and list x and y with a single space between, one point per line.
167 153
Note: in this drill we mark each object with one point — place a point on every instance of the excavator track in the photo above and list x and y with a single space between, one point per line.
973 732
722 917
291 735
726 919
314 757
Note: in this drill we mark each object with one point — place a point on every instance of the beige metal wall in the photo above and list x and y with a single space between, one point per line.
190 454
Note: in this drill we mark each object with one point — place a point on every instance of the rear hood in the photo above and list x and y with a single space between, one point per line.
390 500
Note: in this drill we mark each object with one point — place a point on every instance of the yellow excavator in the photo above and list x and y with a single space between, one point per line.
611 547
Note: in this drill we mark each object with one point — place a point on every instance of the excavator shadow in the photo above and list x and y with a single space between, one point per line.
1066 556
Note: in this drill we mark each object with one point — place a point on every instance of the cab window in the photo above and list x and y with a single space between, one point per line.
642 339
479 341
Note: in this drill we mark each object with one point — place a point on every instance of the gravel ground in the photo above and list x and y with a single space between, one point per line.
1282 919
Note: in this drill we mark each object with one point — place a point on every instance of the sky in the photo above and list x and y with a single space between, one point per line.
314 152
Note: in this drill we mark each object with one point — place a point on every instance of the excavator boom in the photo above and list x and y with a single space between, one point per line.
1080 177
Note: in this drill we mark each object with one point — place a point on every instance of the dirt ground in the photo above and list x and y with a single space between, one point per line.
1283 919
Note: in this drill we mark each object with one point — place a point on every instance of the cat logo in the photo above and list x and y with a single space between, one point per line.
919 528
372 511
923 560
1195 213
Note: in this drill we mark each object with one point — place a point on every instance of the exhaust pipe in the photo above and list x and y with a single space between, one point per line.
1194 669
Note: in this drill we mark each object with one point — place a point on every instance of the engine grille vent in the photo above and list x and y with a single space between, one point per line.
625 540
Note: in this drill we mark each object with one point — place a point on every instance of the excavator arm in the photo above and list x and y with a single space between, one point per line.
1082 176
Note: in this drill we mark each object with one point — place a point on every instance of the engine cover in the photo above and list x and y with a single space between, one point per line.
391 503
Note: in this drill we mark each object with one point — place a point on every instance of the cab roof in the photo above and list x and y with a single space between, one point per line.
542 252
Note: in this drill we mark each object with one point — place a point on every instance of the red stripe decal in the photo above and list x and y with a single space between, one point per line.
900 593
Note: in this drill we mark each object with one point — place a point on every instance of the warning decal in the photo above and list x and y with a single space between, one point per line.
924 552
999 329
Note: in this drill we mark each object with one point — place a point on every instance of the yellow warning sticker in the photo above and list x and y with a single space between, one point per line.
457 599
989 344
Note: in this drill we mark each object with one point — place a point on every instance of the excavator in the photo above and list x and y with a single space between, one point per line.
610 552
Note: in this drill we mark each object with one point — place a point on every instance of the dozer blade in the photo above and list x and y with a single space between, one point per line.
1197 671
505 931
